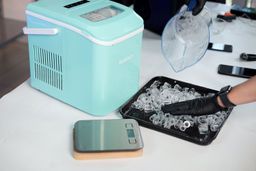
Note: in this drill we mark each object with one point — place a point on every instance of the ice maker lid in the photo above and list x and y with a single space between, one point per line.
101 19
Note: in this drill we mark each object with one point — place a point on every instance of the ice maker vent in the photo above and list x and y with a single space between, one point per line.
48 67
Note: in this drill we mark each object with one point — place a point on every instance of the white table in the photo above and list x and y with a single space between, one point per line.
36 130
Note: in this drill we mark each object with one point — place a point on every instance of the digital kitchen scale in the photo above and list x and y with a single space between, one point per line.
96 139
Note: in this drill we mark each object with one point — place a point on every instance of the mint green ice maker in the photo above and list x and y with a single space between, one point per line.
85 53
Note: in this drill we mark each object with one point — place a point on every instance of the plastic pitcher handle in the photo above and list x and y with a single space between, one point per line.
40 31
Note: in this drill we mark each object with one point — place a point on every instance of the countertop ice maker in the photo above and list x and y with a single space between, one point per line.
85 53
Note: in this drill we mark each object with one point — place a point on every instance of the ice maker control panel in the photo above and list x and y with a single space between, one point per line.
102 13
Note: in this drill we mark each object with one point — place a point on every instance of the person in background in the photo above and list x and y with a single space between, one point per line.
156 13
227 97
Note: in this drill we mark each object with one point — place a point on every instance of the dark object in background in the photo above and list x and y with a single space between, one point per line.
248 57
243 11
220 47
236 71
228 18
218 1
155 13
124 2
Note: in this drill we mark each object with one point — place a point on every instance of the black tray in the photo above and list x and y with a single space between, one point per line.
191 134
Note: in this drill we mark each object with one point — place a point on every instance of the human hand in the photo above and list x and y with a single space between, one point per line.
196 107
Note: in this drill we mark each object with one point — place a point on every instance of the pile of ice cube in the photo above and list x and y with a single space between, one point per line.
156 96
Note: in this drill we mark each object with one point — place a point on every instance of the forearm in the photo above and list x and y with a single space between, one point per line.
242 93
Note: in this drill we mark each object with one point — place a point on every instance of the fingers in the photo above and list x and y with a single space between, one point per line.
179 108
195 107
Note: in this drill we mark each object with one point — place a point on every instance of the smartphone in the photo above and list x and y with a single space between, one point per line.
236 71
243 11
220 47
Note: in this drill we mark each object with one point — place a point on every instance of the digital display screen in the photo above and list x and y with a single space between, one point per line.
130 133
102 14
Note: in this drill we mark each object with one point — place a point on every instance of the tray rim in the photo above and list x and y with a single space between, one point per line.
164 130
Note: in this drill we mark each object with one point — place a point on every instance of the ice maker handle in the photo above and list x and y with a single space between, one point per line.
40 31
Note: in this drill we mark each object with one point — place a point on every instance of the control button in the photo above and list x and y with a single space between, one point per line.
128 125
132 141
